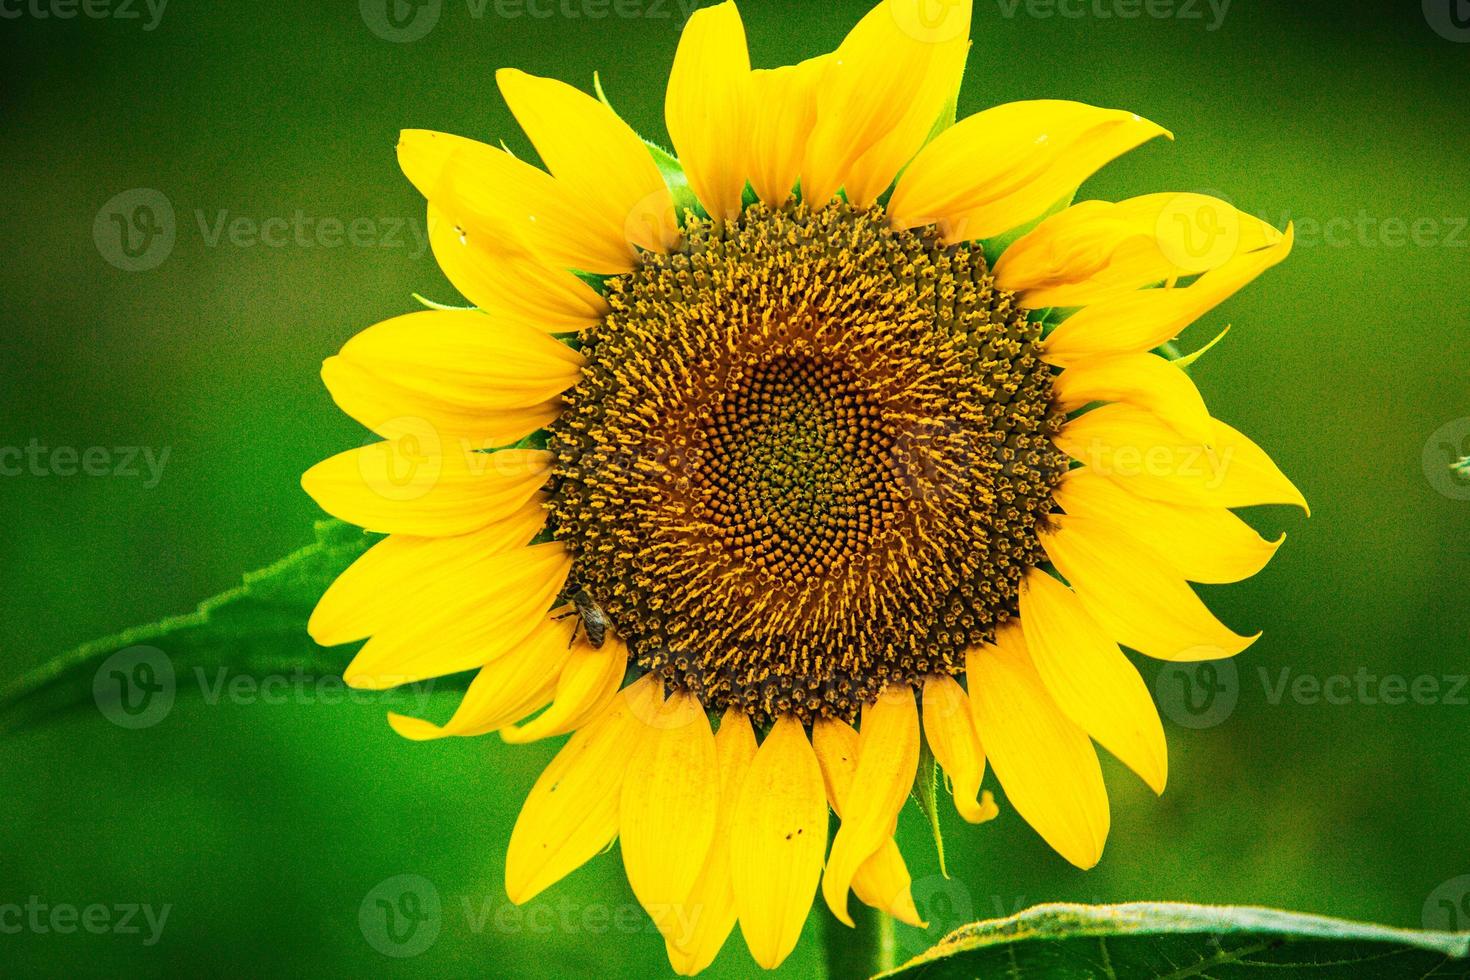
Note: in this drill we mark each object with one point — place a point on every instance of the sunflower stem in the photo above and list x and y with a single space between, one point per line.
856 954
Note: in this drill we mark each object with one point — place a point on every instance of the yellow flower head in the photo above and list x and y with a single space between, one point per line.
758 434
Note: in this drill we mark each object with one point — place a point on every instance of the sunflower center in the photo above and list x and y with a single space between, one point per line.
809 456
791 467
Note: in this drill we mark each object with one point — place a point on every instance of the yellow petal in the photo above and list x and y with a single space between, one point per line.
881 94
1148 457
595 155
1090 679
1002 167
505 690
670 801
888 756
949 727
1145 319
1043 759
779 837
1145 380
421 482
387 407
1137 601
1098 250
706 918
1201 544
485 189
468 376
401 572
465 356
509 282
588 682
572 812
783 107
475 619
705 108
883 880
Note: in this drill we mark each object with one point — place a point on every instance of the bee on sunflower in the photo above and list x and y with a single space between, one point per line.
824 481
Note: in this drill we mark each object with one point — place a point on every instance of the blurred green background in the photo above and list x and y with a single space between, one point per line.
265 829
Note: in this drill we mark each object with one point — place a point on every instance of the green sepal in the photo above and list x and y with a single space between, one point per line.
445 307
593 279
1185 361
678 184
926 795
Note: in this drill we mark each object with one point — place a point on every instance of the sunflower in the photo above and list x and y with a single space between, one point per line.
759 465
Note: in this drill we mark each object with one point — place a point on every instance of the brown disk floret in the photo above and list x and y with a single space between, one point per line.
809 456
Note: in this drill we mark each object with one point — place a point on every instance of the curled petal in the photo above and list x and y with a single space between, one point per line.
888 756
949 727
1147 318
1098 250
1002 167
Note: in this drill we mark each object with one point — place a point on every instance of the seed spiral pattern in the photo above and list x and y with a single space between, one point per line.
809 456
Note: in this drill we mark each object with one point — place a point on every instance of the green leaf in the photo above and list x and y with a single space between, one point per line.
926 795
1163 939
257 629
